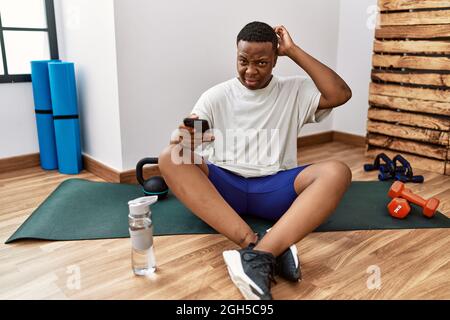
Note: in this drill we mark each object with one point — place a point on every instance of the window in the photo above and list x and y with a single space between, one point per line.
27 32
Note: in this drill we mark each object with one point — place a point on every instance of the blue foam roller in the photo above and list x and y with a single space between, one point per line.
63 88
68 144
65 114
47 142
44 116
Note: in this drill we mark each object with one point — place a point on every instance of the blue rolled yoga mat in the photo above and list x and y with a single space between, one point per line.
65 114
44 114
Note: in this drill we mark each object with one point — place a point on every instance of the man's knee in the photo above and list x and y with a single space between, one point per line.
171 156
332 170
165 159
336 170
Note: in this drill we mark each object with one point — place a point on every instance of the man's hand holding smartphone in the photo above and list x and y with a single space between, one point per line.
189 127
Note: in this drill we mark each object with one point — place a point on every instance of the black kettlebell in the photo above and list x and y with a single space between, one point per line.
155 186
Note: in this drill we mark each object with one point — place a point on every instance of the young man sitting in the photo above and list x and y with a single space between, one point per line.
233 182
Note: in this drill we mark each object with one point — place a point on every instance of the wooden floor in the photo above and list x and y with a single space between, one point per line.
413 264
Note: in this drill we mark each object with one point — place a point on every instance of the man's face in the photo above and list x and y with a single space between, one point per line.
255 62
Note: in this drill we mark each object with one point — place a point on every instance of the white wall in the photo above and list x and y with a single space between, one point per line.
87 37
18 133
356 34
169 52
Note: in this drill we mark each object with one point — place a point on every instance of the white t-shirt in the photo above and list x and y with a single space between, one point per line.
256 130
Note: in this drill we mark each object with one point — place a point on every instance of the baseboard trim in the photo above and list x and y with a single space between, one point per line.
348 138
19 162
330 136
101 170
111 175
314 139
129 177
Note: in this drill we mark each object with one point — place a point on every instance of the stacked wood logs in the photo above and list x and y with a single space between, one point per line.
409 95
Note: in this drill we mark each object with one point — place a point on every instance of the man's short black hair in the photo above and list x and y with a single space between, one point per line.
258 32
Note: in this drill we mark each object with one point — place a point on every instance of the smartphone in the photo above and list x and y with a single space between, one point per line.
191 123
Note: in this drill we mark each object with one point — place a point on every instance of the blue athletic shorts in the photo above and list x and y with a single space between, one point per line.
266 197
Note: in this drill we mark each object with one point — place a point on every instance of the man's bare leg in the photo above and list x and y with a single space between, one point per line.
320 187
190 183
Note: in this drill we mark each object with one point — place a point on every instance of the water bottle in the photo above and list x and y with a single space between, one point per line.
141 233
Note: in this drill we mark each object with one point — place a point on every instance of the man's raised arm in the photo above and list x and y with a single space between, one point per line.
334 90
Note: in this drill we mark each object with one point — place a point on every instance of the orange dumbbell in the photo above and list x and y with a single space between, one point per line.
429 206
399 208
